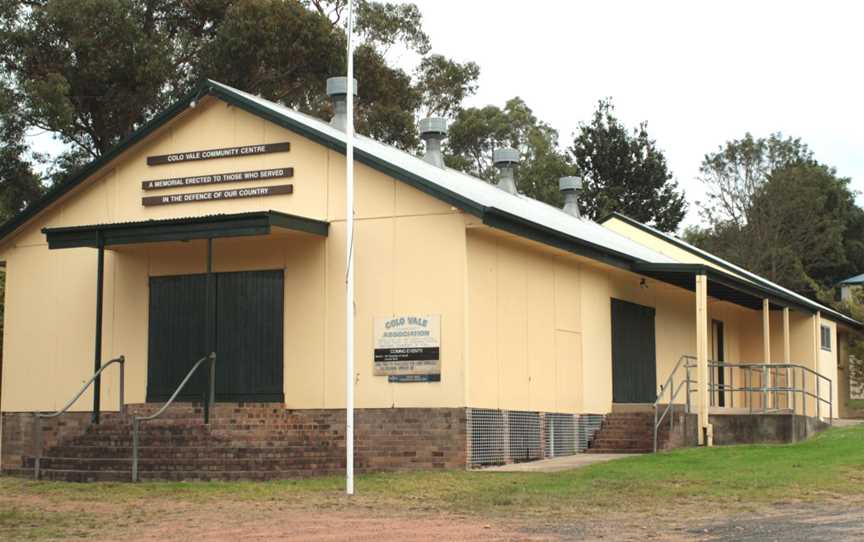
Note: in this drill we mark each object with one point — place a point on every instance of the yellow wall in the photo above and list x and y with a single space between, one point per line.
827 366
660 245
804 348
409 248
524 326
675 326
539 330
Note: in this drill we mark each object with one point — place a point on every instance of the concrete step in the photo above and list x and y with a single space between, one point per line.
621 443
620 450
617 431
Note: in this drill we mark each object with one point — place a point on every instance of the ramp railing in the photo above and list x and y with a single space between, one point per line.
771 387
755 387
670 390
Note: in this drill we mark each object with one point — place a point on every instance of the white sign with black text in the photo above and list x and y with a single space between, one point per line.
408 347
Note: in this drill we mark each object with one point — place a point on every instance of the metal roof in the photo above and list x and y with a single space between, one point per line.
514 213
857 279
478 191
777 289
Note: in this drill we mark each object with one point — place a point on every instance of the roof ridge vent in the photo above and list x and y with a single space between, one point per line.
337 89
570 187
506 159
433 131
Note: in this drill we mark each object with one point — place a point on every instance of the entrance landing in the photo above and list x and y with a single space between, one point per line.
558 464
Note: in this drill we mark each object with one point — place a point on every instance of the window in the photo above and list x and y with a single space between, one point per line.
826 338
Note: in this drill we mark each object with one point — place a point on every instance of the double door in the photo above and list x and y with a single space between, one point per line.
247 308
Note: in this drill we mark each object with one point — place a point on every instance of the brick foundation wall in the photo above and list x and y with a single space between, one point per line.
386 439
16 438
409 438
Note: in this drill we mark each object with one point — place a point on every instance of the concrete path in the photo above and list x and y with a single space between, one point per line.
846 422
557 464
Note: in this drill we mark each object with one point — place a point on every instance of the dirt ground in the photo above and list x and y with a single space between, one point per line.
154 520
269 523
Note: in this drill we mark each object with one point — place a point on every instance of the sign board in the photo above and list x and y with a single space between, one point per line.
216 178
217 195
408 345
414 378
210 154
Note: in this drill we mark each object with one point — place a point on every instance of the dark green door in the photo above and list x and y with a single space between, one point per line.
634 364
249 336
177 335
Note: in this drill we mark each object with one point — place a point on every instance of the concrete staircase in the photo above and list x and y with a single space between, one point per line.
243 441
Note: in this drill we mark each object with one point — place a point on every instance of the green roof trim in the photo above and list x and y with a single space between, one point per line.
857 279
181 229
76 178
490 216
756 283
453 198
207 88
516 225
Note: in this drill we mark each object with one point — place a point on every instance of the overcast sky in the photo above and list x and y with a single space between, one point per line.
699 72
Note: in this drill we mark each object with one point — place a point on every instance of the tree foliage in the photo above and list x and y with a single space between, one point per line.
625 172
477 132
89 70
773 209
734 174
444 84
92 71
19 184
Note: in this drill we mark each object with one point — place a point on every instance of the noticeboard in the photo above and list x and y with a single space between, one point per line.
408 345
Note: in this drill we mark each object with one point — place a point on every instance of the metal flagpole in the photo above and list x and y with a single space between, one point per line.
349 278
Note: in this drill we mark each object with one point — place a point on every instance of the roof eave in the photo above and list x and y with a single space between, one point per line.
75 179
767 288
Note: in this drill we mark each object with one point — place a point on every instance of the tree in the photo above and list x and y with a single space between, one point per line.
284 51
89 70
92 71
477 132
625 172
803 230
19 184
444 84
734 173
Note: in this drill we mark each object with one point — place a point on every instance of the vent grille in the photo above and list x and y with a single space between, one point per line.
496 437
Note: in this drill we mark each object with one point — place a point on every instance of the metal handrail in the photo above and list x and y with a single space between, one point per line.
765 369
769 391
209 399
37 416
669 385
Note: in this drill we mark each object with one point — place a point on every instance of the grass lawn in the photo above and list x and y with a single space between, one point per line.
830 465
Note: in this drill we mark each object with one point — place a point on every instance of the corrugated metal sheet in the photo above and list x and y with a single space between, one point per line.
753 277
474 189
